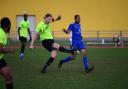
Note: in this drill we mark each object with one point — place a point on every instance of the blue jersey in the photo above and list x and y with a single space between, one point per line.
75 31
76 41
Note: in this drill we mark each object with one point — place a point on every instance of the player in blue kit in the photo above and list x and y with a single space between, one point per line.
76 43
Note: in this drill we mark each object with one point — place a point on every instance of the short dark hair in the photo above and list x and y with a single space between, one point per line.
5 22
76 16
48 15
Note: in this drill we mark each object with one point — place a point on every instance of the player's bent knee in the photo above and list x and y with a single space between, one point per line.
83 53
53 54
55 45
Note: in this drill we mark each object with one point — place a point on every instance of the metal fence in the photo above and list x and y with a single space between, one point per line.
90 37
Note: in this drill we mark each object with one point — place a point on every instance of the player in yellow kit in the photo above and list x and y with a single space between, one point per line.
44 31
4 68
23 31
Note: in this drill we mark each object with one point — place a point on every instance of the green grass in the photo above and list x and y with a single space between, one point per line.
111 70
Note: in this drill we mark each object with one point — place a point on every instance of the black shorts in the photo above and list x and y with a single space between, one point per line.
23 39
48 44
116 40
3 63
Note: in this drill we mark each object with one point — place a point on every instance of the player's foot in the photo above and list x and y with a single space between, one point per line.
60 64
43 69
89 69
21 56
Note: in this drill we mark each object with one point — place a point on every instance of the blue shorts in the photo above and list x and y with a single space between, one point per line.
77 44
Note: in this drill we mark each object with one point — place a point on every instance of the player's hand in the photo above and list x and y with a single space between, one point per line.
59 17
65 31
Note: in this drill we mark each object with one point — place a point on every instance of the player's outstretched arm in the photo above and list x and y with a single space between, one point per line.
65 31
33 40
57 18
6 50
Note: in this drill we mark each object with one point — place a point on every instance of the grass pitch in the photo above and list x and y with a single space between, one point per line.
111 70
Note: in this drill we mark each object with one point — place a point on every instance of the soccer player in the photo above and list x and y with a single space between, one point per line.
43 30
76 43
23 31
4 68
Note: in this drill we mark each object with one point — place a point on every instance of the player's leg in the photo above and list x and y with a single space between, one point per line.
115 45
73 46
5 72
23 44
83 52
63 49
85 61
69 58
48 44
122 44
49 61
